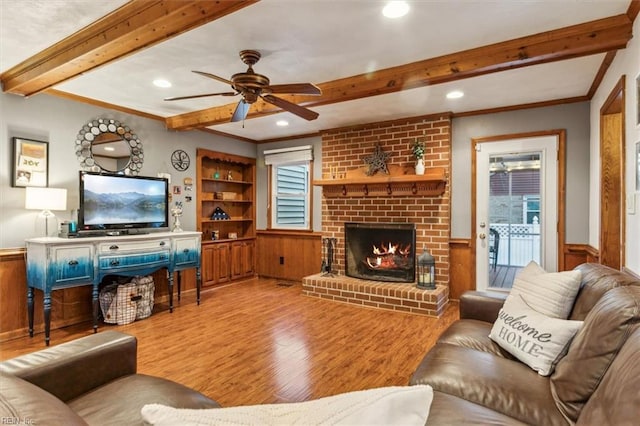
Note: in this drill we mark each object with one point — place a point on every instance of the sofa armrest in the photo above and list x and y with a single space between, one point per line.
74 368
481 305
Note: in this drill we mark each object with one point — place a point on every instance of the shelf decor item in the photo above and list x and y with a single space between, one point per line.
418 153
377 161
219 214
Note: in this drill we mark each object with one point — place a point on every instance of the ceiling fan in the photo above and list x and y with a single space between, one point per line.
253 86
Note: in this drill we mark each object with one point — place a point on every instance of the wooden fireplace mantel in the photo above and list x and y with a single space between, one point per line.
399 181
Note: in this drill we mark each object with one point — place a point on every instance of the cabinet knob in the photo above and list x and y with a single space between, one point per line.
114 247
73 262
185 251
115 262
162 243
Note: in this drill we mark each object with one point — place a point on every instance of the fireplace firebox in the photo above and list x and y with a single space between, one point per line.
380 251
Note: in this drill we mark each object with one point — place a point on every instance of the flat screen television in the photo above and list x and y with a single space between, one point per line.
120 204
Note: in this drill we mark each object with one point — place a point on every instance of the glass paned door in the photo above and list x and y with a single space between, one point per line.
516 208
514 215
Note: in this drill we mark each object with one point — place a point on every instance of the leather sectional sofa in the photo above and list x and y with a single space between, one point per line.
91 380
597 382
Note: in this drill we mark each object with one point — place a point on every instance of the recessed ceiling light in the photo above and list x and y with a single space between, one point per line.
159 82
395 9
456 94
282 123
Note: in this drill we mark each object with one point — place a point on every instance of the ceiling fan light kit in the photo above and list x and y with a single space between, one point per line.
252 86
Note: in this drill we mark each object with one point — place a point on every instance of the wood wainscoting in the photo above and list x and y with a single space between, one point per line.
288 255
462 270
69 306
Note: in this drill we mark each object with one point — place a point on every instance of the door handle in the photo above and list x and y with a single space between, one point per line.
482 236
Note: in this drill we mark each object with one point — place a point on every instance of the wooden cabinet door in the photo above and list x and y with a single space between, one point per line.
242 259
248 258
216 267
221 264
236 260
208 274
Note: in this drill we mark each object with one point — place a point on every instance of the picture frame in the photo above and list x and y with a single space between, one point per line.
637 162
638 100
30 165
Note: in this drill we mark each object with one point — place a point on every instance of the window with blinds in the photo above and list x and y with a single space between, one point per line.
290 187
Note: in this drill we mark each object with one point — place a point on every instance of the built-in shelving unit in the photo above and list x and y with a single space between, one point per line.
226 183
399 181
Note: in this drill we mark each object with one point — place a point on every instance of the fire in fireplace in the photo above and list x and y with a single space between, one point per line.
380 251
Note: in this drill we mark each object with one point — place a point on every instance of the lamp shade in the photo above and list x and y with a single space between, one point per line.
37 198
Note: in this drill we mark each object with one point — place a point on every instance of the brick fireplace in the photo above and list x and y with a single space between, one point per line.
344 150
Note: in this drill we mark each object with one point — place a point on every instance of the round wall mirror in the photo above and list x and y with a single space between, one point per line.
109 146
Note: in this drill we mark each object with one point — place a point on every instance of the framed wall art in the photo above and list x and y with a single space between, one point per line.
638 100
637 162
30 163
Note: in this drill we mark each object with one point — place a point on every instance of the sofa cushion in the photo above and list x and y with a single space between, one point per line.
534 338
448 410
594 348
473 334
401 405
596 281
506 386
24 403
550 293
120 401
617 398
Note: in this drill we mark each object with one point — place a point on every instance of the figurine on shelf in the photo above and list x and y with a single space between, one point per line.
229 175
176 212
216 175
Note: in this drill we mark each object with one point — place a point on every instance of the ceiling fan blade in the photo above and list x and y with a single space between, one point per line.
178 98
242 109
296 89
215 77
298 110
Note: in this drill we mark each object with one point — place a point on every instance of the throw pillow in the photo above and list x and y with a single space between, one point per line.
396 405
550 293
534 338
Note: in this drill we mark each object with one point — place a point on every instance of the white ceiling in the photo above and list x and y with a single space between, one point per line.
316 41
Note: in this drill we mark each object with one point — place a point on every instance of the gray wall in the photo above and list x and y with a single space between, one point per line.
48 118
574 118
58 121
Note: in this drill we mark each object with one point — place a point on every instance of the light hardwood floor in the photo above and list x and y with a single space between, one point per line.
260 342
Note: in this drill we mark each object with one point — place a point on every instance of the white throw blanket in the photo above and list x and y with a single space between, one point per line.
396 405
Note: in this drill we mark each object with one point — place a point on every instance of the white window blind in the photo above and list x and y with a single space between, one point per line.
288 155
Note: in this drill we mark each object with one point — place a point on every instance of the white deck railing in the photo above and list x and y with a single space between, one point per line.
519 243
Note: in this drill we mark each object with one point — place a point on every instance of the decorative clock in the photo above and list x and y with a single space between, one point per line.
180 160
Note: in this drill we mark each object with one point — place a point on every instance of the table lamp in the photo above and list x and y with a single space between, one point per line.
45 199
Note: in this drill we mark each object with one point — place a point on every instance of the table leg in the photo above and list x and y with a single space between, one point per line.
170 280
47 317
198 285
95 304
179 283
30 309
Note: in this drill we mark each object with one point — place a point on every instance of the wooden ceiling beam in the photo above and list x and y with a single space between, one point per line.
136 25
603 35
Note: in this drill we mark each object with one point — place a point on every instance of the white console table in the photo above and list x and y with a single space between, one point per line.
56 263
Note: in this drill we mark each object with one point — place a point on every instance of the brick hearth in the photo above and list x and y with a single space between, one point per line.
401 297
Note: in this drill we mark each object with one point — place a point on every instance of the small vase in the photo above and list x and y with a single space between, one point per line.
420 167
